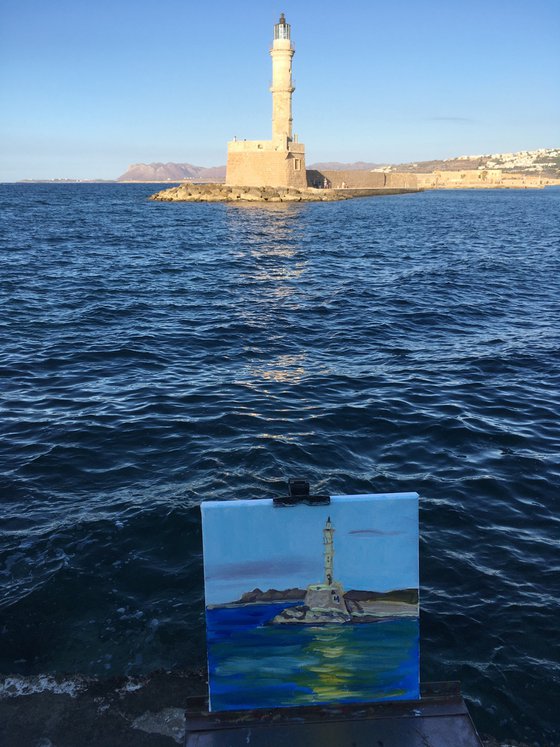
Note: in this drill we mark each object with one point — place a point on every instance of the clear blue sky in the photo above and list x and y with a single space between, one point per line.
87 87
250 544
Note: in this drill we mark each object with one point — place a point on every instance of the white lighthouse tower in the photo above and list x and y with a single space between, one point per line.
282 86
279 162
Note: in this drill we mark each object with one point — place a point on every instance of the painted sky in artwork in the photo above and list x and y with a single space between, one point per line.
249 544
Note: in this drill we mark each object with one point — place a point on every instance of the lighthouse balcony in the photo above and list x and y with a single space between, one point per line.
279 144
243 146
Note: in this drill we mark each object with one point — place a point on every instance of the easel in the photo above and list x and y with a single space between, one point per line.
439 719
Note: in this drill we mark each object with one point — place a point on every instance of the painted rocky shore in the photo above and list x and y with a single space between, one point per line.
225 193
319 605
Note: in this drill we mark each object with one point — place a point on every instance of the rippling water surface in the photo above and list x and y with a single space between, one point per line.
155 355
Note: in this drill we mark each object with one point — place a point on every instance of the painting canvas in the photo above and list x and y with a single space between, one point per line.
311 605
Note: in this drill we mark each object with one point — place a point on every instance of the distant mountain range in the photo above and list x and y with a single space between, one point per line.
545 161
171 172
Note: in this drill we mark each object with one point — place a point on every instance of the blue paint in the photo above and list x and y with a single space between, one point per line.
249 543
262 666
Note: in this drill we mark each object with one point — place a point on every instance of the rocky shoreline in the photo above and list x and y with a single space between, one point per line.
222 193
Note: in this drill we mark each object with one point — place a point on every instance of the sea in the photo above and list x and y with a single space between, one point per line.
253 663
156 355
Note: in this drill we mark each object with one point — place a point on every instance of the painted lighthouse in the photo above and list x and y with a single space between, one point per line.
279 162
324 602
328 541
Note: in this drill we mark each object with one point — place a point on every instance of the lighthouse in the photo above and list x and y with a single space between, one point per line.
282 86
328 533
279 162
325 599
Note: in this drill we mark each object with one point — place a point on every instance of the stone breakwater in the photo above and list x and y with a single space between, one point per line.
224 193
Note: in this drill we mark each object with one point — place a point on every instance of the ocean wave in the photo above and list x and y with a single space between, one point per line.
154 358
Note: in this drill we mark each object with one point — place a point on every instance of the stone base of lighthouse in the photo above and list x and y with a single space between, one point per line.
266 163
323 603
326 597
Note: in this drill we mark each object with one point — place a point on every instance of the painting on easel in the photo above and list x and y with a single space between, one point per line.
310 605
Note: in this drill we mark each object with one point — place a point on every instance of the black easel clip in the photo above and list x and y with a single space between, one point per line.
298 493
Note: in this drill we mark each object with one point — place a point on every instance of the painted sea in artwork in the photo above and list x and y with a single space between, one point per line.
271 666
297 617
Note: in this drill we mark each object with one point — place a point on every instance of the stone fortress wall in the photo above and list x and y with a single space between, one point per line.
483 179
467 179
361 179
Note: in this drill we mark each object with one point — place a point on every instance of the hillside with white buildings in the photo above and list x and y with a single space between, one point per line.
544 161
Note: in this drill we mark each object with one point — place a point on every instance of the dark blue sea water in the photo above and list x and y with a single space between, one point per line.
155 355
255 664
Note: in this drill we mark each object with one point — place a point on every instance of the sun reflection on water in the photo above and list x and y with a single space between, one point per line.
285 368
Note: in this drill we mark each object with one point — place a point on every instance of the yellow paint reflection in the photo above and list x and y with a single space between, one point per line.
329 677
